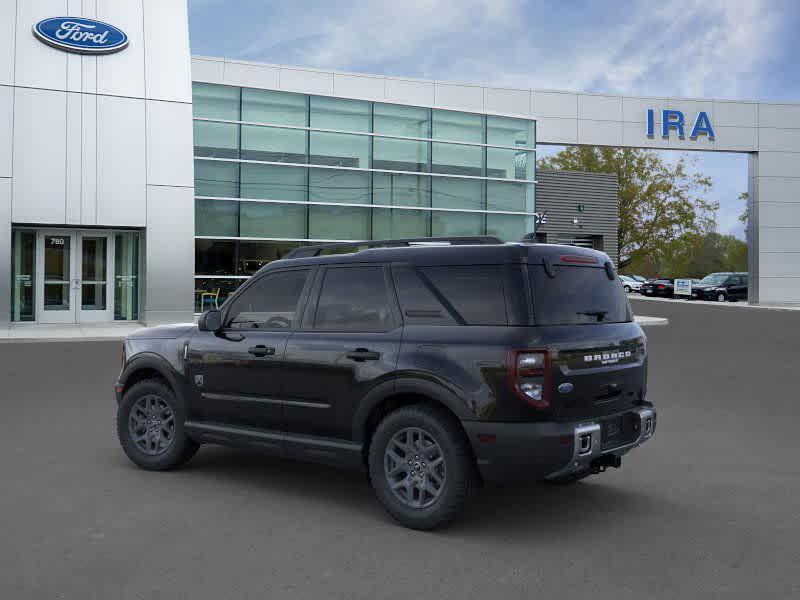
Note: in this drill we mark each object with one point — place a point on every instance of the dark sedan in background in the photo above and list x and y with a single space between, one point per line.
663 288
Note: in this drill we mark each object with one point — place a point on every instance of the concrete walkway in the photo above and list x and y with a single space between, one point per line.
92 332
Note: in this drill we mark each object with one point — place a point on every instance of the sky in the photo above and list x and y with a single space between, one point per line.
733 49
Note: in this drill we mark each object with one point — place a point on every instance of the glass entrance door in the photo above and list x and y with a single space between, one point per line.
94 302
74 271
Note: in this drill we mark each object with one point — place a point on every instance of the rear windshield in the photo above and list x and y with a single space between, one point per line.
577 295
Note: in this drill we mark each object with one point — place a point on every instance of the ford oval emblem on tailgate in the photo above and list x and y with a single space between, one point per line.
565 388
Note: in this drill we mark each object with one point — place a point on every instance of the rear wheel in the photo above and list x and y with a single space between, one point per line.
150 427
421 466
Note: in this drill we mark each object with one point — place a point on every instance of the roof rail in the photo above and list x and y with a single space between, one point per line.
316 250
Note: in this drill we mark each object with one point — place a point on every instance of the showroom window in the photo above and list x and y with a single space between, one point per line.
316 168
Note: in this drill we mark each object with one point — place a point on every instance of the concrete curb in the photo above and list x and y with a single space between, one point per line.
651 321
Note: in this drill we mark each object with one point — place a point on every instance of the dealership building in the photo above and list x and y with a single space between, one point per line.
139 183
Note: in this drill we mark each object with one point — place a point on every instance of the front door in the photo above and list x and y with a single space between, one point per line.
73 274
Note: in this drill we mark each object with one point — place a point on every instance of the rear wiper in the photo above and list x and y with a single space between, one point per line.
600 314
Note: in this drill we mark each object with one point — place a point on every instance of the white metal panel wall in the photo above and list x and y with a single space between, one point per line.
121 73
6 128
39 156
169 144
169 248
121 165
167 58
36 64
8 25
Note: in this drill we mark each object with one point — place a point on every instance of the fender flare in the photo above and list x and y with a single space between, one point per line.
416 385
148 360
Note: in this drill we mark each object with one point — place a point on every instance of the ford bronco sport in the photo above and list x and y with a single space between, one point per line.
431 364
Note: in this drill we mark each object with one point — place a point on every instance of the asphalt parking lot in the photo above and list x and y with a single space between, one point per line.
709 508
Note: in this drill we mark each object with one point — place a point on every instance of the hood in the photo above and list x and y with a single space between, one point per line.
164 332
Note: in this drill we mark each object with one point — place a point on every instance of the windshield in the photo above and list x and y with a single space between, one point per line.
577 296
714 279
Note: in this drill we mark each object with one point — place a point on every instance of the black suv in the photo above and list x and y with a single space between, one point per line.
434 365
721 287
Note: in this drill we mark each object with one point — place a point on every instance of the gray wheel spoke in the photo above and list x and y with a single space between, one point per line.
151 424
415 453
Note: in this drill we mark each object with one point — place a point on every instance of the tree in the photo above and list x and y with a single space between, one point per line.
659 202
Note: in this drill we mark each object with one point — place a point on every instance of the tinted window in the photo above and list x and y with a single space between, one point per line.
417 301
270 303
577 295
475 293
353 299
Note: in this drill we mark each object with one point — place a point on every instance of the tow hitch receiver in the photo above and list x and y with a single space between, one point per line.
607 460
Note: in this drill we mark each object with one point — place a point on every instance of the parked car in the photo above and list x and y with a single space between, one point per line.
638 278
721 287
423 365
659 287
629 284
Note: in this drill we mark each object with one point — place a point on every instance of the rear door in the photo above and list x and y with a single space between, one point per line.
349 343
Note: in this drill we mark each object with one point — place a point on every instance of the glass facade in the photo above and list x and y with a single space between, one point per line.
274 170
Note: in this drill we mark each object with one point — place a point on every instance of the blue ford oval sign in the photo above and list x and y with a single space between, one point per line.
84 36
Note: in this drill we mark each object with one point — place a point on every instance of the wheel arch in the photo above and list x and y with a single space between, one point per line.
149 366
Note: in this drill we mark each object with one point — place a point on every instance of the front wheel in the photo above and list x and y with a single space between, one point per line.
421 467
150 427
721 297
627 289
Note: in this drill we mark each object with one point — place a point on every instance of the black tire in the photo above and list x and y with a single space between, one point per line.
569 478
178 450
721 297
627 289
460 474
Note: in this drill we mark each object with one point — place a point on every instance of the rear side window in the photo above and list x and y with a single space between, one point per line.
474 294
353 299
577 296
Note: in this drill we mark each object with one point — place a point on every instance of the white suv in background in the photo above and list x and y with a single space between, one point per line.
629 284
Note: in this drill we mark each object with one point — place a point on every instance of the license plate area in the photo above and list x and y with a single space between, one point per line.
618 431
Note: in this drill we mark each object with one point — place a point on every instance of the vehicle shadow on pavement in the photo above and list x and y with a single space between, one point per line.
496 511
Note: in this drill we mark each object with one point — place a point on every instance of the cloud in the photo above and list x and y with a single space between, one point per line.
687 47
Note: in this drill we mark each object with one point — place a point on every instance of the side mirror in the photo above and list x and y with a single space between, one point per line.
211 320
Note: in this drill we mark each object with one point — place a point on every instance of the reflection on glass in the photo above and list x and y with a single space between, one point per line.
455 224
401 190
126 276
457 159
338 223
336 185
273 144
507 195
216 217
457 126
254 255
261 219
216 178
273 182
509 164
56 272
93 273
280 108
406 121
23 253
214 257
215 101
400 155
390 223
452 192
212 293
507 131
337 113
220 140
339 150
509 228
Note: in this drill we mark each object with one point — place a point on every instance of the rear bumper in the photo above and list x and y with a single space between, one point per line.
515 451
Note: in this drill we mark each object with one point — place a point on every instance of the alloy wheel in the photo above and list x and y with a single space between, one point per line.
151 425
415 467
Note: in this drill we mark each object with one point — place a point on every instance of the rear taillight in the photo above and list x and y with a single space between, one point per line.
529 376
661 287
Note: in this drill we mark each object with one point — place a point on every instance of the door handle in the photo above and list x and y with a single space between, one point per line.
361 354
261 350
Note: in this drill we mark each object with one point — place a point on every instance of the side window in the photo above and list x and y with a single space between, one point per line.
474 292
353 299
270 303
418 303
